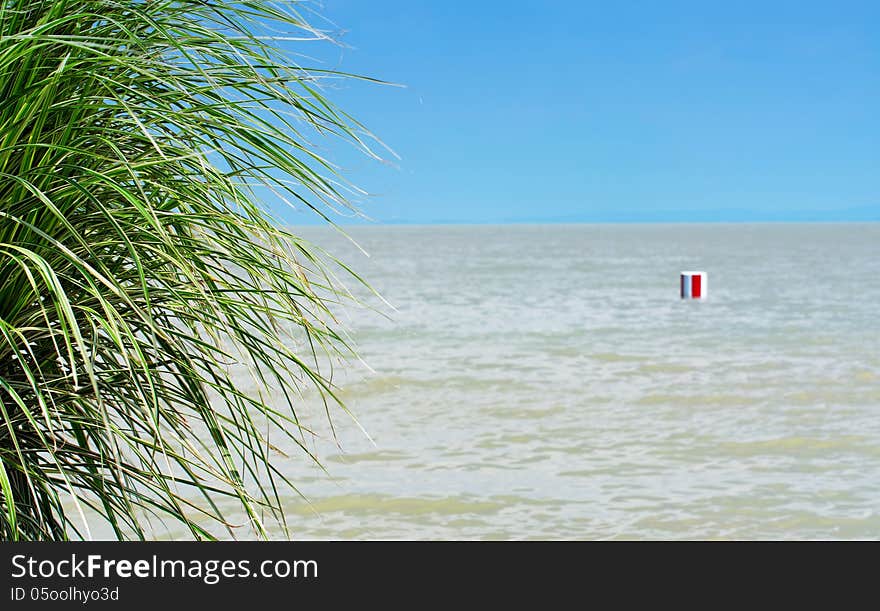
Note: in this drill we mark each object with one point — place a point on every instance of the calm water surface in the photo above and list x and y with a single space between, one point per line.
547 382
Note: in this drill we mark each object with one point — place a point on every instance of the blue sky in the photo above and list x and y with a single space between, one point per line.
613 111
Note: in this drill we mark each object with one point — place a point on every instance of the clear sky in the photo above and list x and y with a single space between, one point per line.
566 111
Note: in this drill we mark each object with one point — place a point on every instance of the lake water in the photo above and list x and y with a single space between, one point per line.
548 382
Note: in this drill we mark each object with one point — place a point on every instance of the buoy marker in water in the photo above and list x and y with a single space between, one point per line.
693 285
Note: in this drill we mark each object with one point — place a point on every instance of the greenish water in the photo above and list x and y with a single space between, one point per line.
547 382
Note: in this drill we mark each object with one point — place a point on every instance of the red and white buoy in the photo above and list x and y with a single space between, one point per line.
693 285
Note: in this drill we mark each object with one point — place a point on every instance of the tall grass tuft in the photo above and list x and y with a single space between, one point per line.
138 267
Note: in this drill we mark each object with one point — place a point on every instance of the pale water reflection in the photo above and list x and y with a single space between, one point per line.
547 382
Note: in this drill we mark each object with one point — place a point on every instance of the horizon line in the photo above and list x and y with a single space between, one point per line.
369 223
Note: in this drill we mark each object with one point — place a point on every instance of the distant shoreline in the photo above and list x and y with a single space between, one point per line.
368 224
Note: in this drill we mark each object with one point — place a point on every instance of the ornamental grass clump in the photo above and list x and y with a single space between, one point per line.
139 268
